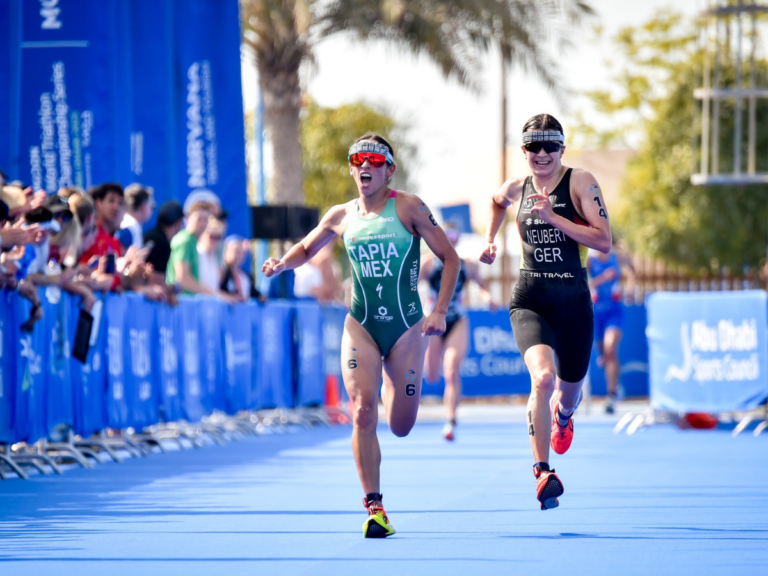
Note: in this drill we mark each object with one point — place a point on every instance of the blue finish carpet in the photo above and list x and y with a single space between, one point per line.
662 501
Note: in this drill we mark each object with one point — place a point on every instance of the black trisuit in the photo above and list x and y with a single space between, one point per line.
551 303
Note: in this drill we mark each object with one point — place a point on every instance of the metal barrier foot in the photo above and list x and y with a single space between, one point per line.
760 427
92 442
13 466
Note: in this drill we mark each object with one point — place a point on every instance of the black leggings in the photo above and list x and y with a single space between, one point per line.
555 309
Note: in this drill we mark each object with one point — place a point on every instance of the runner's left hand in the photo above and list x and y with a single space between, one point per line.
542 206
434 325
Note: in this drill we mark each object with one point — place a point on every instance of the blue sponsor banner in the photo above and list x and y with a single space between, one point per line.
633 356
459 215
708 350
141 382
192 390
309 322
209 111
57 308
171 339
212 345
8 340
147 125
10 29
119 413
30 423
493 364
237 354
276 390
68 113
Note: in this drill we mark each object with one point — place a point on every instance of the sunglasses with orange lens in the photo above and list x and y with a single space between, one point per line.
359 158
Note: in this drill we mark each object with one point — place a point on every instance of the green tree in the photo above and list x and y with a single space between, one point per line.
659 212
454 34
327 133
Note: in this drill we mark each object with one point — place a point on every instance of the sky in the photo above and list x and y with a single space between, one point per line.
458 132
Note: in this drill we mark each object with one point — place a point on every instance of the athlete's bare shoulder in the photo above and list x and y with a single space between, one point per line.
413 212
582 179
509 192
336 217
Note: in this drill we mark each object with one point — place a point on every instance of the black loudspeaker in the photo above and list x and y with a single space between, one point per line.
283 222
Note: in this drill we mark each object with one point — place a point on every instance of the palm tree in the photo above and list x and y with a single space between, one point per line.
455 34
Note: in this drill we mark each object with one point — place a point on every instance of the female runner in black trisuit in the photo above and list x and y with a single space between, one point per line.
551 307
451 347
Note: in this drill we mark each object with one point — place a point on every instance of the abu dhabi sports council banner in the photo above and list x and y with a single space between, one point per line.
708 350
493 364
125 90
209 113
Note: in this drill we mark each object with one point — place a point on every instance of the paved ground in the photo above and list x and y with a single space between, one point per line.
662 501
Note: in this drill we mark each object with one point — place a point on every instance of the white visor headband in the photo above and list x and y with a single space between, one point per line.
543 136
373 147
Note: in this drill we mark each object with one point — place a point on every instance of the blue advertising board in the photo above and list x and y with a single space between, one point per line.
170 336
708 350
493 364
633 356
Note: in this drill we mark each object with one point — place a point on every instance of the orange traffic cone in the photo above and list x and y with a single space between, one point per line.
332 395
333 408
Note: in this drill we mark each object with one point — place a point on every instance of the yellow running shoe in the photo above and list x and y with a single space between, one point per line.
377 525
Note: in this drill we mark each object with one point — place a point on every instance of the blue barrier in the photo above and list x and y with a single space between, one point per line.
311 377
708 350
56 325
151 362
276 390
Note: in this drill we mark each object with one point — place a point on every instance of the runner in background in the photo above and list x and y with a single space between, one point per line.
451 347
605 285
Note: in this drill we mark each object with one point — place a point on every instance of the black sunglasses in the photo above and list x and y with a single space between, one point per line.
549 147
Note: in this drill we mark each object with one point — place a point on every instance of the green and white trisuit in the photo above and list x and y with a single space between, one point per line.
385 260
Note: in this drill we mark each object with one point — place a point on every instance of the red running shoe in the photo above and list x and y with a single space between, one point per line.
561 436
548 488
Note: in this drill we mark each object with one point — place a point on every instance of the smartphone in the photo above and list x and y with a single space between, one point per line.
149 245
110 264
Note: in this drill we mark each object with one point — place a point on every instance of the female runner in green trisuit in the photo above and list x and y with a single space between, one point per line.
381 230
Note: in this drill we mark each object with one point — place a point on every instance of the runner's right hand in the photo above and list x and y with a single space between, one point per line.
489 254
272 267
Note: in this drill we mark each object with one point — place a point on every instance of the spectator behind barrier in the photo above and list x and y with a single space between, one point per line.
170 218
183 270
108 201
139 205
208 253
234 280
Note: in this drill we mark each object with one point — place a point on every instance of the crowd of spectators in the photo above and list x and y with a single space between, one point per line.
90 242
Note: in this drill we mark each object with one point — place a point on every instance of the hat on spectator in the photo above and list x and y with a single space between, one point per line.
201 196
170 213
233 238
14 197
56 204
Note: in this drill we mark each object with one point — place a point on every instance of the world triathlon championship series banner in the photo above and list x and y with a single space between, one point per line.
708 351
131 91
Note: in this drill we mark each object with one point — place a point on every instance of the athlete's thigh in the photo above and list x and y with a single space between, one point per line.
433 358
457 342
360 364
403 369
539 359
612 339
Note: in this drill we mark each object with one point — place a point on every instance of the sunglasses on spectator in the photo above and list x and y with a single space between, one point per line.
215 237
549 147
359 158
